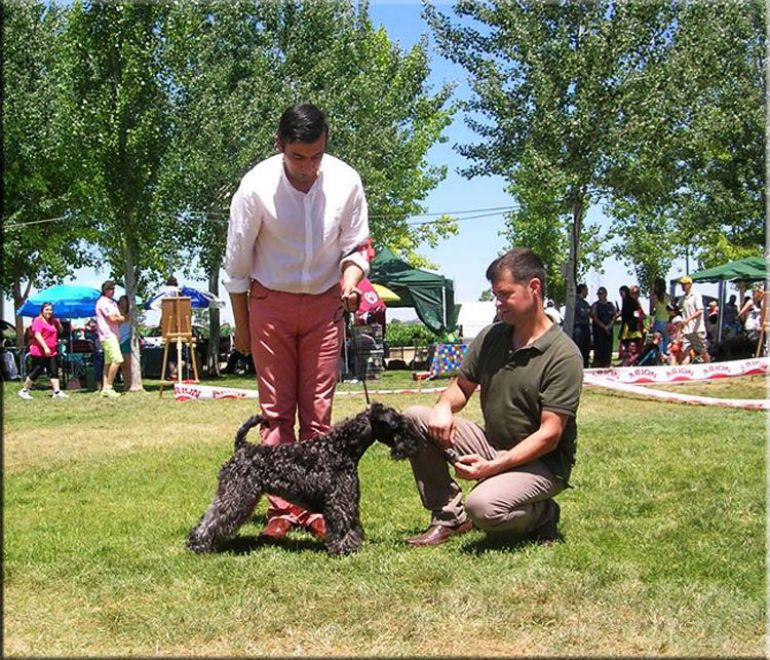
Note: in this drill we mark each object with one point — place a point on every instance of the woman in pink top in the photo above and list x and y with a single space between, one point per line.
43 351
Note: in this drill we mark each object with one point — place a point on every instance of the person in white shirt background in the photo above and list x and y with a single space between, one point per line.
693 321
297 247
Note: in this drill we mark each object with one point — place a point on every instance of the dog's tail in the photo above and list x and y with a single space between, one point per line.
250 423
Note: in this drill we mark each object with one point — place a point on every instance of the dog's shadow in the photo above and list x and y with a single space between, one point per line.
248 543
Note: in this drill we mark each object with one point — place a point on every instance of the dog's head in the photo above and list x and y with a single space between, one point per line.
393 429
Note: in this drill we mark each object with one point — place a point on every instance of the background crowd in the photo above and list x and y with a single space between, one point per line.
672 331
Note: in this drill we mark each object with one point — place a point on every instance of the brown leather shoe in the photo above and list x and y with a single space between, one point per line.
438 534
276 529
317 528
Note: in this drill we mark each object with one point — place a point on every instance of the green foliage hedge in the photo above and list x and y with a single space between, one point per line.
408 334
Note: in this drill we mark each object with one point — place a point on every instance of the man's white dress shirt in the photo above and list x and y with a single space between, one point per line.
293 241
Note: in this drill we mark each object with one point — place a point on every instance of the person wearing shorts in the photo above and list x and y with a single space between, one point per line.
108 319
694 325
43 352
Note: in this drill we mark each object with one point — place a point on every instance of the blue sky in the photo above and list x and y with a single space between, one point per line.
463 257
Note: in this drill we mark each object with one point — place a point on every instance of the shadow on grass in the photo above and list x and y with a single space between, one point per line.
505 542
245 545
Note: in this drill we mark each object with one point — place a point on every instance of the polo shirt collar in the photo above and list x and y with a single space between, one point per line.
540 344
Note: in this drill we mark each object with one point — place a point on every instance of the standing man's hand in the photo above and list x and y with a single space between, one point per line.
351 298
242 339
351 294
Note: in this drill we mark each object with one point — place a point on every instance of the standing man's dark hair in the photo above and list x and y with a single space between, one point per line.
523 265
302 123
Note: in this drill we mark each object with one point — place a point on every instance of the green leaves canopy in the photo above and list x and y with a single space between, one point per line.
635 105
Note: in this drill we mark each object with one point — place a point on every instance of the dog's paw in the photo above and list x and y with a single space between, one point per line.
198 545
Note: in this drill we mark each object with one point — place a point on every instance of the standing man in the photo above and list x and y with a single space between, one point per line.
693 322
297 247
581 330
603 315
531 377
108 320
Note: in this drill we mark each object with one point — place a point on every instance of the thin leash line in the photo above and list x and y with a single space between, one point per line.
357 342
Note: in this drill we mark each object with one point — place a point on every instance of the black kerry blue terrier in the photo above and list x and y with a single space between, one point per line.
320 475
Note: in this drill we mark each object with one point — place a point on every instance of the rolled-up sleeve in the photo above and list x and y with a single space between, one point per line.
242 232
354 231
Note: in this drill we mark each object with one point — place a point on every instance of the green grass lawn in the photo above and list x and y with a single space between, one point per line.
664 550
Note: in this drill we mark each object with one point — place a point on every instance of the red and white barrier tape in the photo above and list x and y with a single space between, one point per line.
676 397
683 373
193 391
622 379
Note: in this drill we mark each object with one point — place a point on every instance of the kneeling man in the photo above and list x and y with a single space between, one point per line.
531 376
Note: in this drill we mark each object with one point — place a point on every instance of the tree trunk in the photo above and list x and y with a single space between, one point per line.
572 262
18 300
212 359
136 369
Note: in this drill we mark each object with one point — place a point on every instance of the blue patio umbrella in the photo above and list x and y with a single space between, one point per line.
200 299
70 301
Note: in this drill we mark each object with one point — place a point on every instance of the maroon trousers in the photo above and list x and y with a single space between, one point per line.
296 341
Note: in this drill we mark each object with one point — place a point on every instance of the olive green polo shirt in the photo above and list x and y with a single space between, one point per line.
516 386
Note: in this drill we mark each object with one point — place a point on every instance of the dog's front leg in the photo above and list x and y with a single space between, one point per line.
344 533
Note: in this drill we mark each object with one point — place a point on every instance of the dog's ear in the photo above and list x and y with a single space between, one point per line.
377 410
393 429
406 439
384 422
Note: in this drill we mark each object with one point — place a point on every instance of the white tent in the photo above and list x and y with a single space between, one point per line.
473 317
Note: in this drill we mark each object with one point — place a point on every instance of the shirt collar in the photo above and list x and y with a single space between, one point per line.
316 184
540 344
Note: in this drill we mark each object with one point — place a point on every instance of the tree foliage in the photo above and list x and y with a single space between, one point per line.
632 105
547 80
237 66
698 182
43 240
117 106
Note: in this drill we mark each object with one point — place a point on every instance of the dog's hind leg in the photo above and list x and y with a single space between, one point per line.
233 504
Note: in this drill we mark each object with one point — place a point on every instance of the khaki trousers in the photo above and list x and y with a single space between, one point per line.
514 501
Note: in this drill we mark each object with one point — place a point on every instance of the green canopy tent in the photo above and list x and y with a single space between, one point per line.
432 295
750 269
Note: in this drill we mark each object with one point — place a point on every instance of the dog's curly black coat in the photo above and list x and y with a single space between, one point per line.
320 475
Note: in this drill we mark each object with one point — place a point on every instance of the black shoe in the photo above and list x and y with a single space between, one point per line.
547 533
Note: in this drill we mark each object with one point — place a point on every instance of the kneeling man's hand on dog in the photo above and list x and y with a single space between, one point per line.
473 466
441 425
